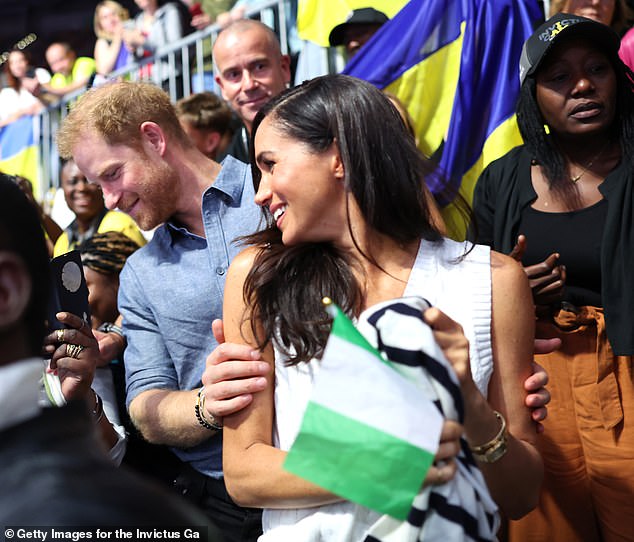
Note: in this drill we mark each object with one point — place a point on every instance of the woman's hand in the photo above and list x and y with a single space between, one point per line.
546 278
455 346
444 468
75 353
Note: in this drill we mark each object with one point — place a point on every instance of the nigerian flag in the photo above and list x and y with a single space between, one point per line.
369 434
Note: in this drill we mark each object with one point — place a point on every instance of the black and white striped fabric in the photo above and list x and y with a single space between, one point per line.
462 509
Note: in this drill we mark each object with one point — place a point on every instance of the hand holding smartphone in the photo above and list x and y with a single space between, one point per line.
69 292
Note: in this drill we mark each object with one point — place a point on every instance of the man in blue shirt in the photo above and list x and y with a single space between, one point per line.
127 138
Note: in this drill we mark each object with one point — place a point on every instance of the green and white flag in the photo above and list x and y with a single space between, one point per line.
369 434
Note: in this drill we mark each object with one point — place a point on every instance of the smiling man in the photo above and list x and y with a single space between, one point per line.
91 216
126 137
250 70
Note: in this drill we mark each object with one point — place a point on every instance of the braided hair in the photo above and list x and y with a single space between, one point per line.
107 252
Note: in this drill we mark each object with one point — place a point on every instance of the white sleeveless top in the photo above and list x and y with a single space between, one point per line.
462 290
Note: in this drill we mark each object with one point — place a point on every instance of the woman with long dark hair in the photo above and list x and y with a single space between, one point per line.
339 181
564 203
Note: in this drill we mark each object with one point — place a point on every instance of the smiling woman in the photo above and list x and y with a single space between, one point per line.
562 204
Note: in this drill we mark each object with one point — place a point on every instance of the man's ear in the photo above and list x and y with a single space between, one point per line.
219 82
285 64
152 134
212 140
15 289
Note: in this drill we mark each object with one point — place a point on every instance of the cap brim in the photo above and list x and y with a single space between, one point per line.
335 38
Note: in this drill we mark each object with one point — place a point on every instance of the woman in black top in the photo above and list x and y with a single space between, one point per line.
562 204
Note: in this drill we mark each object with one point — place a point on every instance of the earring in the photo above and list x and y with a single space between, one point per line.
547 129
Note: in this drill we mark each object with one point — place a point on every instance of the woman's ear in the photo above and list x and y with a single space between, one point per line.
338 168
15 289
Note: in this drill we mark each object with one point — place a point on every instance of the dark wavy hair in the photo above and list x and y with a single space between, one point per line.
543 147
384 171
21 233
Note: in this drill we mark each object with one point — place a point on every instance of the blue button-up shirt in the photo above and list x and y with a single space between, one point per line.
171 290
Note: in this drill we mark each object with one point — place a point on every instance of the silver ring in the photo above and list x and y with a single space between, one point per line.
60 335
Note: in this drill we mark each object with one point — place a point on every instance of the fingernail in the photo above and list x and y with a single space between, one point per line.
255 354
262 367
260 382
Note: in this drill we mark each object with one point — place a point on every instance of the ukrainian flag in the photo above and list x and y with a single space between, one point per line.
455 66
18 150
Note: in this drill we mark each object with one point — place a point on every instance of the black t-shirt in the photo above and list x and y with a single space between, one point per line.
576 236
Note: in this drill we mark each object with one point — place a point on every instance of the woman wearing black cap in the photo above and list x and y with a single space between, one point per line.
563 203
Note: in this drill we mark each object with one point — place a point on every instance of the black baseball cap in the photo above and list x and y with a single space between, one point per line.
559 26
357 16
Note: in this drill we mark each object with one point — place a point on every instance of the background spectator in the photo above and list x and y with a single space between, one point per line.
250 70
110 51
206 119
358 28
157 24
16 100
69 72
562 204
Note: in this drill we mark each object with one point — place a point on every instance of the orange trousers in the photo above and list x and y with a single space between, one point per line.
588 442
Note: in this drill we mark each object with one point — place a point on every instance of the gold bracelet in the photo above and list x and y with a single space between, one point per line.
199 410
496 448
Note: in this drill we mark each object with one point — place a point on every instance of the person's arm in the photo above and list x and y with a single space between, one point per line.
76 372
106 54
512 333
62 91
251 464
162 413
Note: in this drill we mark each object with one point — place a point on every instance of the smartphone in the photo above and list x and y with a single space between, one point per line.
69 292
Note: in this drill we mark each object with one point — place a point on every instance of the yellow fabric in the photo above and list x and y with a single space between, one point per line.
112 221
25 164
413 89
83 68
505 137
316 18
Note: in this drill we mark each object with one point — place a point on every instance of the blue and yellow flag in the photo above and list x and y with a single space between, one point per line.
18 150
455 66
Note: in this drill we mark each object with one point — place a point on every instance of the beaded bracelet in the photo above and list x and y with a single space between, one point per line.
199 409
496 448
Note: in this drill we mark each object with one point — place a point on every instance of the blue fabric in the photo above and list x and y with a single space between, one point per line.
171 290
488 85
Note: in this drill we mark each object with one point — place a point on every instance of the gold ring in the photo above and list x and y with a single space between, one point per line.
73 350
60 335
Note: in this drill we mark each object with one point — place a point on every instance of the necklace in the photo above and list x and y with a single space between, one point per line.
584 170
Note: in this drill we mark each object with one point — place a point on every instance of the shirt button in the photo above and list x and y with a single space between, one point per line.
220 270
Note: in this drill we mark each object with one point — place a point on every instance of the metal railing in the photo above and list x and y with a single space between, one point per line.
180 68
